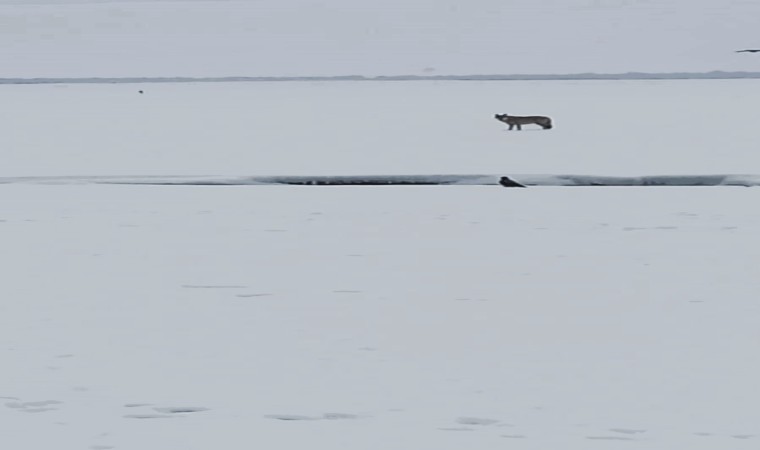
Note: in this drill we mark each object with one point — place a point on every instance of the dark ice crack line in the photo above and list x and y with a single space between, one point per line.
511 180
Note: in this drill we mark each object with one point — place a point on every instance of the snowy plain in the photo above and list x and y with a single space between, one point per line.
626 128
109 38
447 317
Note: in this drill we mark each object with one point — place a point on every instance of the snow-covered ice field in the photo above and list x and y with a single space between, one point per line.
349 128
107 38
408 317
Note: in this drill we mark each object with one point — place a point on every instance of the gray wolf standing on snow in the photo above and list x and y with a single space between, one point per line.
518 121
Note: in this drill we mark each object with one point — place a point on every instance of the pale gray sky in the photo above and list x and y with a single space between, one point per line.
336 37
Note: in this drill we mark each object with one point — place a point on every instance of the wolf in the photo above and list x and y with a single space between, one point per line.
518 121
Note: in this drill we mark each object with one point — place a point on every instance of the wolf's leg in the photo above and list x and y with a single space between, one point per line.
519 127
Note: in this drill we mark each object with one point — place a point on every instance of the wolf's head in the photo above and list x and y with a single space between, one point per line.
501 117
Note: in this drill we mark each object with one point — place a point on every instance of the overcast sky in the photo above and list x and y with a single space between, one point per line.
64 38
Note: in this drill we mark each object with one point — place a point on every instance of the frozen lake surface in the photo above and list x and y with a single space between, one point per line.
628 128
455 316
117 38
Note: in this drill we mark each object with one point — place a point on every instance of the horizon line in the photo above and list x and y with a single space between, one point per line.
711 75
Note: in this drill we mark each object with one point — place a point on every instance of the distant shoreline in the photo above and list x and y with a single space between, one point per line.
714 75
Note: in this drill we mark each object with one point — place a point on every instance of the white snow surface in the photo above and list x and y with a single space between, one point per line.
443 317
603 128
106 38
419 317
